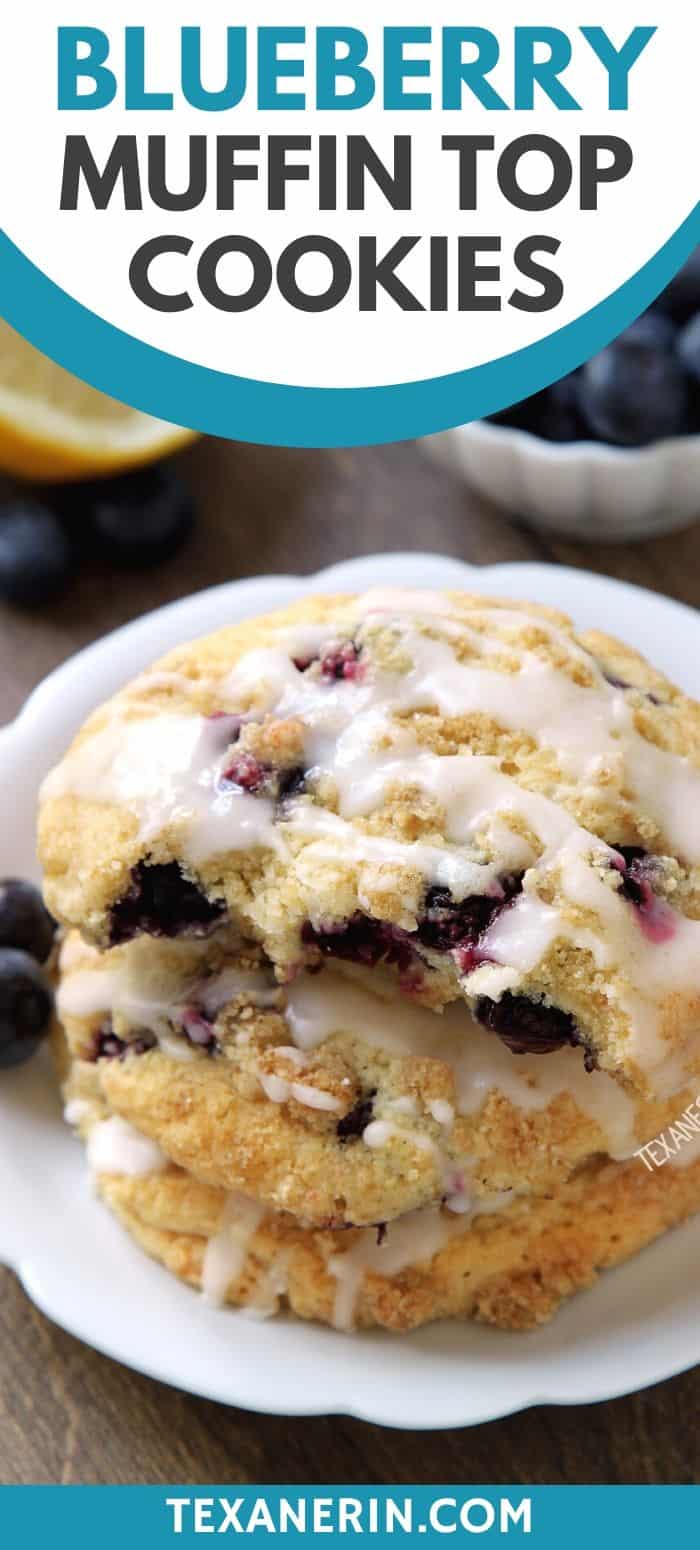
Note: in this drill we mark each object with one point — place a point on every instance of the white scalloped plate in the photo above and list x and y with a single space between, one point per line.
640 1323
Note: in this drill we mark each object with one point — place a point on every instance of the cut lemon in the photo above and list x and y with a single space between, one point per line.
53 426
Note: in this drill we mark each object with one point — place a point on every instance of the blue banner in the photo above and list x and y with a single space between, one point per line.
545 1516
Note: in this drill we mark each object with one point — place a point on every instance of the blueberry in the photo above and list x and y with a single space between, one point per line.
24 919
353 1124
36 558
682 297
635 392
554 414
25 1006
291 783
689 348
162 902
139 519
561 417
445 924
528 415
109 1047
637 877
650 330
693 407
527 1027
361 939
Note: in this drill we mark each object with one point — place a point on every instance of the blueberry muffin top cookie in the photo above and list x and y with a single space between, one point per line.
462 793
324 1098
510 1267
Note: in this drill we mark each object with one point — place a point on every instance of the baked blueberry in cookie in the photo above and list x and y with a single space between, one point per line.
352 1126
109 1047
161 901
527 1027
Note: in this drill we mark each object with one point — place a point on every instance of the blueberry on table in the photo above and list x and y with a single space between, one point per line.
139 519
24 919
25 1006
635 392
689 348
36 559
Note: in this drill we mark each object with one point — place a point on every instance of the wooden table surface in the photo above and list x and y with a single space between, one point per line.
67 1414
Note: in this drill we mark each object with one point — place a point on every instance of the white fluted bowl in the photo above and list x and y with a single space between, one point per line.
584 489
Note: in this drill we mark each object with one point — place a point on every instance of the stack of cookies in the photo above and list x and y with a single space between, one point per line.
381 960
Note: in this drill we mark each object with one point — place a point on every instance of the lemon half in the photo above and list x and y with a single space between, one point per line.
53 426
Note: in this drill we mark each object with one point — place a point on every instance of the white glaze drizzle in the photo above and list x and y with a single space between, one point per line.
75 952
114 1146
412 1240
150 994
380 1132
273 1286
226 1252
166 769
76 1110
279 1089
403 1105
398 601
442 1112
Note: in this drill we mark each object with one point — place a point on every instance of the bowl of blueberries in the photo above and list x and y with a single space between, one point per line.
611 451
